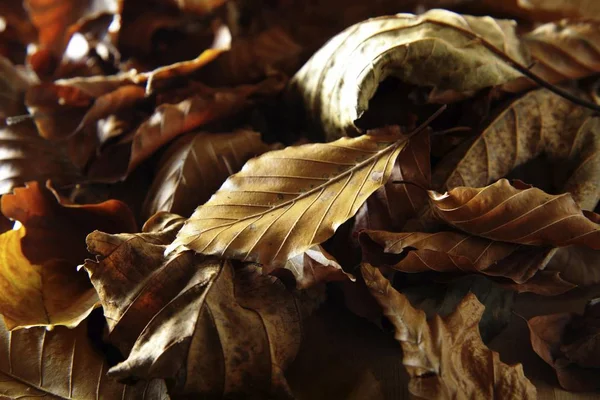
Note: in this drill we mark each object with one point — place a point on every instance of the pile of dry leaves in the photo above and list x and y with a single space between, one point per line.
253 198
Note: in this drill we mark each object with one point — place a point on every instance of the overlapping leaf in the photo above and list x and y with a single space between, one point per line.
284 202
38 262
445 358
181 317
196 165
62 364
438 49
525 215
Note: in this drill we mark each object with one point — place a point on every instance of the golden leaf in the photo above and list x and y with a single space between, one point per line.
284 202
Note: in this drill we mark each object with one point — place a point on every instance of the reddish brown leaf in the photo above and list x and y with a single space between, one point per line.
446 358
523 216
570 344
38 271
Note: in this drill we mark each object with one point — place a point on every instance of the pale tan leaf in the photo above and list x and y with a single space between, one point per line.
314 266
445 357
195 166
284 202
525 215
62 364
575 8
563 50
438 49
539 122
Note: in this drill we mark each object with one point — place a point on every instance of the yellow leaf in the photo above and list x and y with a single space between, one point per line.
284 202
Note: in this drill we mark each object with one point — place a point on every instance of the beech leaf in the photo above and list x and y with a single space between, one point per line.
437 49
445 357
284 202
523 216
314 266
61 364
181 317
195 166
38 262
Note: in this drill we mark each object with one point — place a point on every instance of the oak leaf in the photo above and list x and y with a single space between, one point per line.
537 123
521 215
194 167
446 358
38 262
61 364
284 202
438 49
180 317
569 343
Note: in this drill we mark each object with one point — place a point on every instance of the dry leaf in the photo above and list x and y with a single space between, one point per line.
458 252
61 364
437 49
195 166
569 343
181 317
577 264
446 358
574 8
38 265
537 123
284 202
200 7
561 50
393 204
313 267
507 213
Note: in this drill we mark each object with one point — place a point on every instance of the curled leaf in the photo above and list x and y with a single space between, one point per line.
438 49
315 266
62 364
286 201
38 263
445 358
195 166
506 213
180 317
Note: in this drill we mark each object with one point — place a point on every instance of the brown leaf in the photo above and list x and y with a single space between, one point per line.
284 202
569 343
537 123
394 203
38 268
61 364
446 358
458 252
181 317
313 267
561 51
200 7
577 264
574 8
506 213
438 49
195 166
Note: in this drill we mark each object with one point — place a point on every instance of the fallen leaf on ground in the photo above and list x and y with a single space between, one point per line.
143 292
284 202
196 165
438 49
62 364
38 264
569 343
446 358
313 267
518 215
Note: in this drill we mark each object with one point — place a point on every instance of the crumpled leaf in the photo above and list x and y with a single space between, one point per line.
446 358
448 251
284 202
437 49
574 8
577 264
61 364
561 51
314 266
521 215
181 317
569 343
195 166
38 263
539 122
168 121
